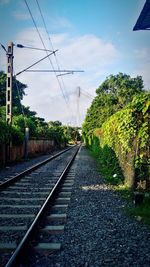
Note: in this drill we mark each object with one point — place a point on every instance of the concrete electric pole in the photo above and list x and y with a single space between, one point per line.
9 83
9 80
78 99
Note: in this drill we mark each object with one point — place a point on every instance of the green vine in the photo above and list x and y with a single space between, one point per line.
127 131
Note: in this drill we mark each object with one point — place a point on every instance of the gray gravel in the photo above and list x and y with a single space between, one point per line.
97 231
43 177
15 168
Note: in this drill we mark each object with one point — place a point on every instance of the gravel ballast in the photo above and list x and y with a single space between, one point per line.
15 168
97 231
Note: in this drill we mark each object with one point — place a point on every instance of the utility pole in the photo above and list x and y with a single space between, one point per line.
78 98
9 72
9 83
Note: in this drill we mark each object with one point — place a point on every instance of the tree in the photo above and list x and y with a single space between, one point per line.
4 133
2 114
17 86
54 123
122 87
28 112
72 133
21 122
112 95
102 107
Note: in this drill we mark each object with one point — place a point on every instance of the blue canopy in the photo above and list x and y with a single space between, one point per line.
143 22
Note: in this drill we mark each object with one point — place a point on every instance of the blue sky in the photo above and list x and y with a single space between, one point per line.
94 35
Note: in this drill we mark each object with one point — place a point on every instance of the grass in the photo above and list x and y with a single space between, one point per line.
140 212
108 166
125 192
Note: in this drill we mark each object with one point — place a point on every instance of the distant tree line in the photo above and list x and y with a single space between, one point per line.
24 117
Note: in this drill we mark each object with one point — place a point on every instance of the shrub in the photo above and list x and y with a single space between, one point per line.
17 136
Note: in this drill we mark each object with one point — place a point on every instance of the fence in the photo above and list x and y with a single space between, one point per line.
34 147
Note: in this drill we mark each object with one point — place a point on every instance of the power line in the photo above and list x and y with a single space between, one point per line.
68 71
46 51
85 93
44 23
35 63
34 23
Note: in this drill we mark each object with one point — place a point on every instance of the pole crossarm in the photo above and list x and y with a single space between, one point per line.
69 71
3 48
26 69
30 47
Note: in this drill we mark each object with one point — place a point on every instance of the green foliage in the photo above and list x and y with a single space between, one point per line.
61 133
57 134
142 212
2 88
109 165
3 113
4 133
73 133
38 128
107 162
21 122
128 131
123 87
103 106
16 85
120 117
119 130
95 146
17 136
112 95
10 133
54 123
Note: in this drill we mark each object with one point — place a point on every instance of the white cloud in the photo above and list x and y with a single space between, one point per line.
87 52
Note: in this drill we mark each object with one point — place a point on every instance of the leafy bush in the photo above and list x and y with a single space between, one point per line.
127 134
4 133
109 165
127 131
17 136
107 161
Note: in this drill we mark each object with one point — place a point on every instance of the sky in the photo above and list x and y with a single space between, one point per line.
95 36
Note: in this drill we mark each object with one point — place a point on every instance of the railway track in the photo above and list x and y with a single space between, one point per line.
8 180
34 203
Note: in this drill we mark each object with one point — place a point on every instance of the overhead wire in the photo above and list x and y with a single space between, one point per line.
47 32
85 93
50 41
46 51
34 63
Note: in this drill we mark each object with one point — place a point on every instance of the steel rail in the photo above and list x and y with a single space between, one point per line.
18 253
10 181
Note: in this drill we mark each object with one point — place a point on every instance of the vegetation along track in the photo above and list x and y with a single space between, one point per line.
24 203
